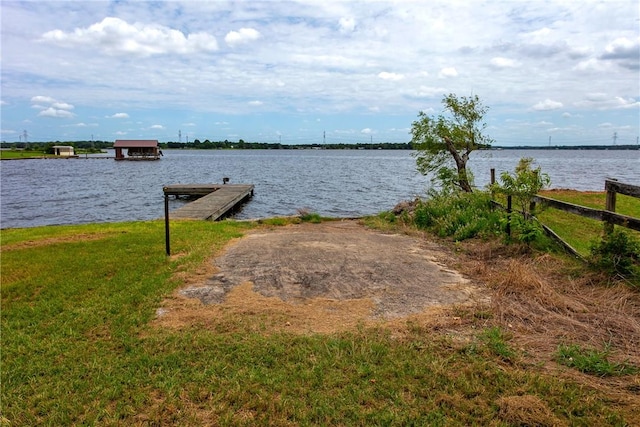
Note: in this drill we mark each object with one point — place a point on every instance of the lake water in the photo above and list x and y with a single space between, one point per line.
337 183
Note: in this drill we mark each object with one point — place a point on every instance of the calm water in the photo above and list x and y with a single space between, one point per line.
339 183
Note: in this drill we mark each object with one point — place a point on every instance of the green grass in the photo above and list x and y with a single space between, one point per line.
592 361
78 349
311 217
22 154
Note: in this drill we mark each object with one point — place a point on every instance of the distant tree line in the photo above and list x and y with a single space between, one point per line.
47 146
211 145
243 145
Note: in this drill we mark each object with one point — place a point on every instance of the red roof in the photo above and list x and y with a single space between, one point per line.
135 143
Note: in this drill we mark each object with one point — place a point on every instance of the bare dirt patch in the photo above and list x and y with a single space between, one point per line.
323 277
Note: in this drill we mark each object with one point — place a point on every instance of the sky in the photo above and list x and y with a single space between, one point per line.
551 72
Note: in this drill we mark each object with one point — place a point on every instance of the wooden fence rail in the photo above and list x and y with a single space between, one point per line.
608 214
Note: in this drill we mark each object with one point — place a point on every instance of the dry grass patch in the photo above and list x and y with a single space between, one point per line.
526 410
547 301
244 309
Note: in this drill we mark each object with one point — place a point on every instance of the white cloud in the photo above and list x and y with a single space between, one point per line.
448 72
255 103
394 77
546 105
40 99
115 36
120 133
83 125
54 109
603 101
62 106
366 131
621 102
624 52
52 112
243 35
118 116
156 127
622 47
591 64
500 62
428 92
347 25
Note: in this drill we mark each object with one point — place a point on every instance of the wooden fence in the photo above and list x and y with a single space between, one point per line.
607 215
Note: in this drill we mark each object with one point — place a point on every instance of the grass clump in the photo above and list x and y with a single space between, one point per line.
307 216
591 361
496 341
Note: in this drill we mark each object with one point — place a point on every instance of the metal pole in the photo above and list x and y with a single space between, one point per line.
166 224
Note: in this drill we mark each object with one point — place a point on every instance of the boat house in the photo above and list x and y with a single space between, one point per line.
137 149
63 151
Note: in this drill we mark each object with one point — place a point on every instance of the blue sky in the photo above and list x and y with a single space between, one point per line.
312 71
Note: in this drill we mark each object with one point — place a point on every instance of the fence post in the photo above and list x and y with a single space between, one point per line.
509 215
610 206
493 176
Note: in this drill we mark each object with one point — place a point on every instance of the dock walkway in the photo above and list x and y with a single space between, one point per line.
215 201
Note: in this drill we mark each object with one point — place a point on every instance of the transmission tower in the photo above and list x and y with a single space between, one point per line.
615 137
180 136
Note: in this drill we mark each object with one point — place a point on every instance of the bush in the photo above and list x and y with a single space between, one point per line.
458 215
618 254
526 230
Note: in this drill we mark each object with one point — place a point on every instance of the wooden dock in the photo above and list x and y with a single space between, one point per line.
214 200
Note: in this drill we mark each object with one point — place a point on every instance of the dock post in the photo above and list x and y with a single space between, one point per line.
166 224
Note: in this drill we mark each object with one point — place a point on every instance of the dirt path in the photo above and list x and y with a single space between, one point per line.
338 273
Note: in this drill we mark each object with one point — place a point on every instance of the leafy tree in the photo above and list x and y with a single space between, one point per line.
523 184
439 140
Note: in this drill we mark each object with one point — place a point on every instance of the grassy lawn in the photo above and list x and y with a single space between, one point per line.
578 231
22 154
78 348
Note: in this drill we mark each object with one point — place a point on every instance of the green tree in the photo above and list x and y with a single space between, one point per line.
439 140
523 184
